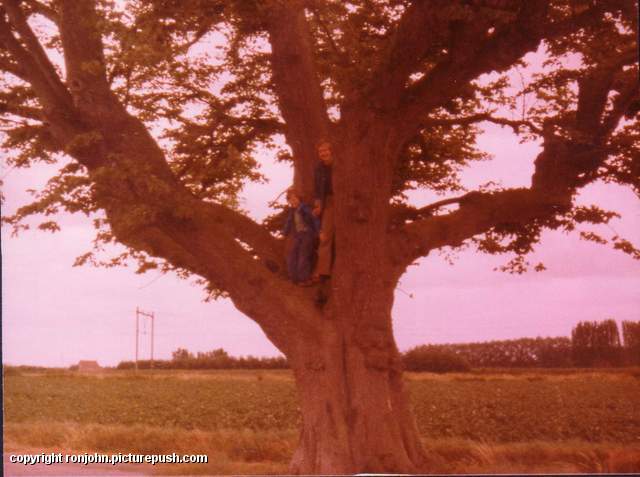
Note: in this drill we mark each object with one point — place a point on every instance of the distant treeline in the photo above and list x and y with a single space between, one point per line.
520 353
10 370
599 344
592 344
216 359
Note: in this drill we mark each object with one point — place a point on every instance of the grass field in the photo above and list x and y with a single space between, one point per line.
246 421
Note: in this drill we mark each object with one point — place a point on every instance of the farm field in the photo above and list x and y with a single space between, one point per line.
246 421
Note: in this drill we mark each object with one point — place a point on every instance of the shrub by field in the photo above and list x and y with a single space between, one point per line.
252 416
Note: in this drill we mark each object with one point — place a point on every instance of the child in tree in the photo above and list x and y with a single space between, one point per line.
303 227
324 210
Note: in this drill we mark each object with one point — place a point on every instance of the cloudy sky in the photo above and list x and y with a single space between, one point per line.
55 314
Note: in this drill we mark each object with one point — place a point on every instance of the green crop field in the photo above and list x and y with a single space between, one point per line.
247 420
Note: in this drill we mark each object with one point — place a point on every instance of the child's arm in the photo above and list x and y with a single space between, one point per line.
288 225
318 192
317 208
311 219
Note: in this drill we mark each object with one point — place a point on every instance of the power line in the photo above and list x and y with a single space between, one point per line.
152 281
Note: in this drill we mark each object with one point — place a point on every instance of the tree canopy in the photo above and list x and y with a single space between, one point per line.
156 111
204 77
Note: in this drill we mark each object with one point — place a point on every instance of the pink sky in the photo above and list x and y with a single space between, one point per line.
54 314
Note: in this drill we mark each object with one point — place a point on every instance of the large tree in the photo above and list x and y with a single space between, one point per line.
397 86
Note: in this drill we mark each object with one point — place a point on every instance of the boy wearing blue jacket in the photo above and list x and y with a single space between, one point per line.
303 226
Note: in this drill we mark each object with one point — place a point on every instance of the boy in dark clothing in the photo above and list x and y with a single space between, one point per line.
303 227
323 209
322 179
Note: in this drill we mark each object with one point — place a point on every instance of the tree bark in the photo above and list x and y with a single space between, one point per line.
300 96
355 409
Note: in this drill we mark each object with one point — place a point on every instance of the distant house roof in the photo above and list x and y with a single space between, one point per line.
85 365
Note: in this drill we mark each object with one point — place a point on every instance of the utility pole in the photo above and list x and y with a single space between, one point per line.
144 314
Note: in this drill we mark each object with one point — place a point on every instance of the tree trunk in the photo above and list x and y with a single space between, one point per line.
355 410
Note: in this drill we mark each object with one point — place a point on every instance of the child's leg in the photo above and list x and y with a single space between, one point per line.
327 229
292 260
306 252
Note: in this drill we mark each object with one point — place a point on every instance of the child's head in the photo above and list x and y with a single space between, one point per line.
293 198
324 152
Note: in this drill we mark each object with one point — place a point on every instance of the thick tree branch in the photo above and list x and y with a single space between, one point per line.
628 92
205 244
147 211
429 209
262 243
476 52
32 59
58 113
564 165
569 164
14 68
83 56
22 111
411 214
41 9
478 213
589 115
423 24
479 52
340 55
297 87
37 54
150 212
426 27
515 124
147 208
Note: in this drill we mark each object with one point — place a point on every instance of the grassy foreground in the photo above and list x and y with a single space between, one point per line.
246 421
